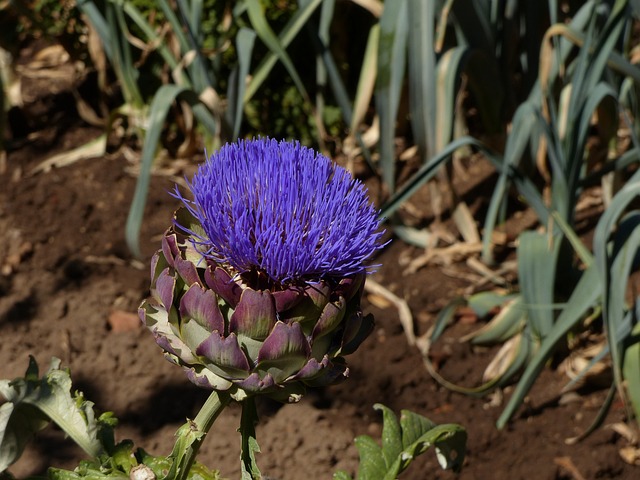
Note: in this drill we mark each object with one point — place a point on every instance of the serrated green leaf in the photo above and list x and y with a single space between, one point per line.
342 475
391 434
18 425
372 465
32 401
402 442
413 427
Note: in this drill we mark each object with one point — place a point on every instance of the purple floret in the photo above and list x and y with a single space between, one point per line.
282 209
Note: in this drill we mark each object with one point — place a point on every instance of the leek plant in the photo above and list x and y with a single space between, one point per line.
212 90
563 286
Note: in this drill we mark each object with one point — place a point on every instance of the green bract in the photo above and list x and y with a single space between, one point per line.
243 334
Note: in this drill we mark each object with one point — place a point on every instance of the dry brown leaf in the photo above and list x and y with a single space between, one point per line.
630 455
503 359
404 313
569 466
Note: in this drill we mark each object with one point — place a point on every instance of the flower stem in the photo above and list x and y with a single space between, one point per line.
191 435
248 422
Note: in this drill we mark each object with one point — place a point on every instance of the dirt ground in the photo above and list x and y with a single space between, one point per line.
70 289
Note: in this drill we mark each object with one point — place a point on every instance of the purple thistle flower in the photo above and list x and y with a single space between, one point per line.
284 210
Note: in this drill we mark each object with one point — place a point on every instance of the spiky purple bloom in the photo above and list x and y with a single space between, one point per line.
256 289
283 210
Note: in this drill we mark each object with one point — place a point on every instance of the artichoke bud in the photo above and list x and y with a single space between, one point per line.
229 335
256 288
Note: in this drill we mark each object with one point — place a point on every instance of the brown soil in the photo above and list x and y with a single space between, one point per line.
66 272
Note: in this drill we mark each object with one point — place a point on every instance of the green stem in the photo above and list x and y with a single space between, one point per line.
191 435
248 422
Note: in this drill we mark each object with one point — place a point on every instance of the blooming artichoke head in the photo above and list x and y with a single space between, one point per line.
257 286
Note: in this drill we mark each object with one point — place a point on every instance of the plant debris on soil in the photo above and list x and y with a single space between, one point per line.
69 288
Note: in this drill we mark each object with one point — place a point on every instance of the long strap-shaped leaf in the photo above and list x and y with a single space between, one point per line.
327 69
426 173
160 105
584 296
537 260
276 44
523 346
245 39
606 225
631 367
524 123
423 88
392 57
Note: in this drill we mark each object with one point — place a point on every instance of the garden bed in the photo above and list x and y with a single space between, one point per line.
70 289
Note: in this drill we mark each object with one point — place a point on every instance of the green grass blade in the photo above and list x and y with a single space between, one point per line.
327 68
211 124
519 356
123 61
485 84
323 57
392 57
621 260
483 303
596 61
597 95
364 92
445 317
